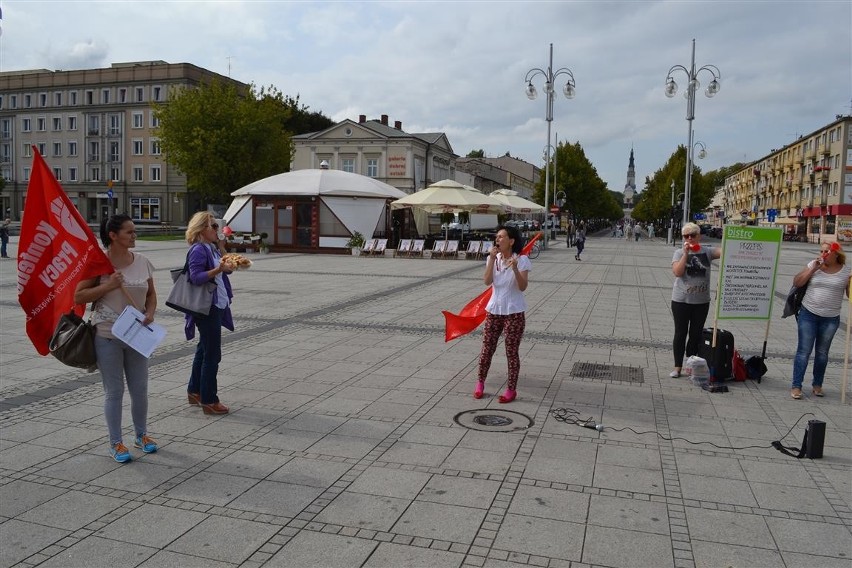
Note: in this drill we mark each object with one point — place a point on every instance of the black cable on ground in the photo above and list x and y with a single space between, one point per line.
571 416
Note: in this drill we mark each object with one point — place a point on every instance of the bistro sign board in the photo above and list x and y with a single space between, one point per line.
749 263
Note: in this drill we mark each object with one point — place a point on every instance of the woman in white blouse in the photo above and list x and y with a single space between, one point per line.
508 275
827 277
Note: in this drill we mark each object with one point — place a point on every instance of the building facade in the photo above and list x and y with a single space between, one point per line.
374 148
97 131
505 172
805 185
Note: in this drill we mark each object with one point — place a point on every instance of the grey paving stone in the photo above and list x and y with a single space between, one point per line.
484 461
791 499
796 560
642 458
729 528
242 463
461 491
713 555
622 478
550 504
717 489
416 454
26 431
713 466
440 521
21 540
275 498
310 549
390 482
288 439
100 553
313 473
20 496
223 539
71 510
82 467
806 537
168 559
628 514
365 428
210 488
22 456
618 547
344 446
151 525
138 476
532 535
437 435
363 511
389 554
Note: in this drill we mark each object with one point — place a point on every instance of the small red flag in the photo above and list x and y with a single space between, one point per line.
56 250
473 314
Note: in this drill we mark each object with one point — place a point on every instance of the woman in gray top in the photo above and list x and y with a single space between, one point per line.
690 293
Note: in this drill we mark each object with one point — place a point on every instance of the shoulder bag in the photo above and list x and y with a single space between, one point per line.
794 300
73 342
188 298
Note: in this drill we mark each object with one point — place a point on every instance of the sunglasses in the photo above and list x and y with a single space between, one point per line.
214 226
690 235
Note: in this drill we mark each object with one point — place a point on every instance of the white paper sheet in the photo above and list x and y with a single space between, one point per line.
143 338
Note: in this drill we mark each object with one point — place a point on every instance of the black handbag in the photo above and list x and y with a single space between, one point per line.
794 300
188 298
73 342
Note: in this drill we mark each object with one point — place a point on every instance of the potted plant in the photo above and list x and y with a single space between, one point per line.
261 245
356 243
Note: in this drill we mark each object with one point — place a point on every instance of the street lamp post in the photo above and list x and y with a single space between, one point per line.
692 86
569 92
671 220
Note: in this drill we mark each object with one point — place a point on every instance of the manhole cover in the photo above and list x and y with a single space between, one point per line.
493 420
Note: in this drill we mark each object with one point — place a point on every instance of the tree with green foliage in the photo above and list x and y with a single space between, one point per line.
223 138
586 194
476 153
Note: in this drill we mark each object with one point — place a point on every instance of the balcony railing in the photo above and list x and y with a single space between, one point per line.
94 131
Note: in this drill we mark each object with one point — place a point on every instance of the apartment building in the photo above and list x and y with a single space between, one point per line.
505 172
805 185
374 148
97 131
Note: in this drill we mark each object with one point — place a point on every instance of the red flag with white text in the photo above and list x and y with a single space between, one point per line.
473 314
56 250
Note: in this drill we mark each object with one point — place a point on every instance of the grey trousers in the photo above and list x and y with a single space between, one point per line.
116 361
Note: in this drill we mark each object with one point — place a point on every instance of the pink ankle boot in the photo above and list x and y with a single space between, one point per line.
480 389
508 396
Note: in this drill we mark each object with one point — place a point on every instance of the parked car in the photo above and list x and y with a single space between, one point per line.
455 227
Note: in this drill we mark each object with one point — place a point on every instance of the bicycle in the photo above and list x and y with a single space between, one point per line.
535 251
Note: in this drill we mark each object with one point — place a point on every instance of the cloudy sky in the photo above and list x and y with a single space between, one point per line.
458 67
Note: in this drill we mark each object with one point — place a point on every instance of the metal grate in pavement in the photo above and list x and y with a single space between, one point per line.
606 372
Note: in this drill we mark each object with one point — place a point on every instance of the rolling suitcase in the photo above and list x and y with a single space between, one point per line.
719 359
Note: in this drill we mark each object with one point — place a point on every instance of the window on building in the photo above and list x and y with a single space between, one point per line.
140 95
42 148
42 100
157 93
348 165
90 97
122 95
155 147
94 151
155 120
145 208
5 153
73 98
57 99
94 125
105 96
114 151
138 120
156 173
57 123
372 167
1 101
72 123
6 128
41 124
28 101
6 173
13 101
72 148
72 174
114 124
94 173
57 173
57 149
115 174
26 174
137 173
137 147
27 150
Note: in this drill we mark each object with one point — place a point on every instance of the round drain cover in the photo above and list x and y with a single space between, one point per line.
493 420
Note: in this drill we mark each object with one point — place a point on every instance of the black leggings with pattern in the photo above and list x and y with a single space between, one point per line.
494 325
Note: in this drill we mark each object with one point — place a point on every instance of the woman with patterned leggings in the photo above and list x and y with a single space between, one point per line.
508 275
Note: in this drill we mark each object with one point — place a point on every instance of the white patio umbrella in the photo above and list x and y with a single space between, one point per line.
515 203
450 196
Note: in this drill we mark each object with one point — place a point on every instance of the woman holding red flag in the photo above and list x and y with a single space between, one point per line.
507 272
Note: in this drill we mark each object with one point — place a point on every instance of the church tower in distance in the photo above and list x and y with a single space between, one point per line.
630 186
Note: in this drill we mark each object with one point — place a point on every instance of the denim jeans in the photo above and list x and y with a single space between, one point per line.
816 331
205 366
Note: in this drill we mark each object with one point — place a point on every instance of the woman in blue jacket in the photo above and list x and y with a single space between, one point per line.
206 265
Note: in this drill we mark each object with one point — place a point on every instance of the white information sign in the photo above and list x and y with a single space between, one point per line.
747 275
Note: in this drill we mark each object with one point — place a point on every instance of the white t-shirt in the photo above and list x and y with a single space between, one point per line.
824 295
109 307
506 297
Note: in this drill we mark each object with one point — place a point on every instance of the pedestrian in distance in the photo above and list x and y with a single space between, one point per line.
828 278
508 275
4 237
690 293
206 265
580 241
131 284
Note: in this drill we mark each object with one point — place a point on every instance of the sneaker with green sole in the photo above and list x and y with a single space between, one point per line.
146 444
120 453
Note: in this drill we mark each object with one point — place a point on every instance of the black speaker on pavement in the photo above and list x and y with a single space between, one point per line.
814 439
